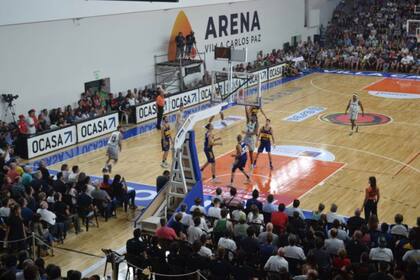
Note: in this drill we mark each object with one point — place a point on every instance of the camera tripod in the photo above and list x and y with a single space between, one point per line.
10 110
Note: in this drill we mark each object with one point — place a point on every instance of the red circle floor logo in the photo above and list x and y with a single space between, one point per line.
366 120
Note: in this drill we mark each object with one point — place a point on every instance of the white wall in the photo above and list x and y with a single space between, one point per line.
47 63
25 11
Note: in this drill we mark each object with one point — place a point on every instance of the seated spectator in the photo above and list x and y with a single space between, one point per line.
399 228
341 262
250 245
262 237
355 247
254 201
194 232
218 195
179 228
341 234
267 248
122 194
165 232
73 174
222 225
279 219
231 199
204 251
255 219
381 253
227 243
238 213
355 222
214 209
269 207
239 229
295 208
333 245
382 273
277 263
219 267
332 215
292 250
316 215
197 204
186 218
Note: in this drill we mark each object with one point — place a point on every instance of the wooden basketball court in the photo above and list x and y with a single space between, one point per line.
388 150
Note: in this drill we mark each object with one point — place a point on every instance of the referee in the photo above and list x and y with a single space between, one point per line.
160 105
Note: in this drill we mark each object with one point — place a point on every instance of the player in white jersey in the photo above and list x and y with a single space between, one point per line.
113 148
353 108
250 132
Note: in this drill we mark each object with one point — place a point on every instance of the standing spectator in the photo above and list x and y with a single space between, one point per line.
160 106
22 125
15 232
190 42
31 122
295 208
180 44
370 204
161 180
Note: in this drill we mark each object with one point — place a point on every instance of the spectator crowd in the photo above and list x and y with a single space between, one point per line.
259 240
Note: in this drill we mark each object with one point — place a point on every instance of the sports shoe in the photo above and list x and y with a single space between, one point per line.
224 123
163 165
271 166
357 129
215 180
109 168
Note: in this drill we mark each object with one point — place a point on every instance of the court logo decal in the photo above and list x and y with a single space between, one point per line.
305 114
394 95
302 151
229 120
367 120
395 88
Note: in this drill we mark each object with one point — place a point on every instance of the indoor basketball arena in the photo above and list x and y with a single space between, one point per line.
218 139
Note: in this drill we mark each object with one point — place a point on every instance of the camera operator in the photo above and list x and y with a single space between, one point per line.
180 45
190 41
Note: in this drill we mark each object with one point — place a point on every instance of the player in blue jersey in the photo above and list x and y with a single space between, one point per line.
166 140
265 135
209 141
240 159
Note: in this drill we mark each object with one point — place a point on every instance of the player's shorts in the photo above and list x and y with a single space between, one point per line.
239 164
112 152
250 142
165 145
209 155
264 145
353 115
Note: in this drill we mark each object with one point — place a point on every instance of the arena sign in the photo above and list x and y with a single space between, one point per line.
51 141
97 127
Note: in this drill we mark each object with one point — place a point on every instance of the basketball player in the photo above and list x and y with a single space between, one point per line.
253 111
240 159
265 135
209 142
251 131
354 105
113 149
166 140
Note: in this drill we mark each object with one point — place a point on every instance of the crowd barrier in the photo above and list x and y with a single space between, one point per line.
60 138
